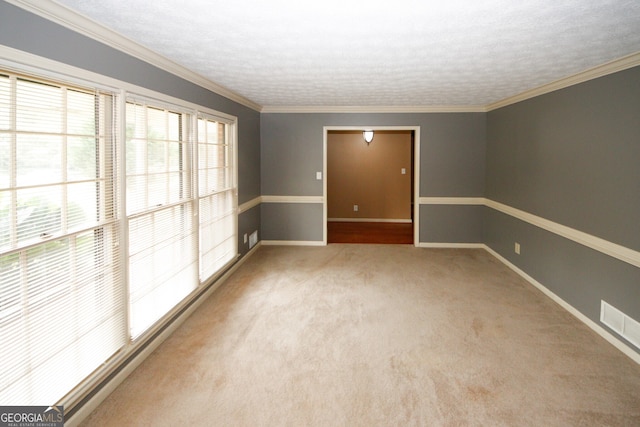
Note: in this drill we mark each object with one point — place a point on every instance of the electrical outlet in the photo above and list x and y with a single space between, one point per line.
355 208
517 248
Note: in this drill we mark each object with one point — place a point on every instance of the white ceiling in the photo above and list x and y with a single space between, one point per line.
377 53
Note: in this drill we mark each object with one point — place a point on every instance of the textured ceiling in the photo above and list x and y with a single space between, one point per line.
377 53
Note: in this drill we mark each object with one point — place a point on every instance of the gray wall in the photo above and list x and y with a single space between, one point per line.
570 156
573 157
248 222
451 223
30 33
292 221
451 165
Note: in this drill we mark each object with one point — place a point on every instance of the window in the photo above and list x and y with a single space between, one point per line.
160 209
217 196
61 298
101 240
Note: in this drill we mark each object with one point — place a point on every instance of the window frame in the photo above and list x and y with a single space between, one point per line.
183 226
120 364
231 142
101 230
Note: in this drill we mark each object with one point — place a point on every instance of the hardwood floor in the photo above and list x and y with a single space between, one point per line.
369 232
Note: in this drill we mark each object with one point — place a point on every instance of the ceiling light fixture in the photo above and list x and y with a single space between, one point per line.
368 136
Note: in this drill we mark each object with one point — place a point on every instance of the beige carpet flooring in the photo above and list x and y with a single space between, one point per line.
378 335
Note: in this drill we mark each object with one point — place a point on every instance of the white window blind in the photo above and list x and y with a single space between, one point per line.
62 307
163 260
216 196
67 307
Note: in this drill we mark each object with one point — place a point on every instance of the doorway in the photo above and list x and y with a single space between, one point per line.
370 187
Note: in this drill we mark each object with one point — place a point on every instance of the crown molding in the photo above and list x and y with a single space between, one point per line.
59 14
376 109
620 64
614 66
84 25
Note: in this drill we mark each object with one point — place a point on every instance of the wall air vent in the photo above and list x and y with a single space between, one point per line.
253 239
624 325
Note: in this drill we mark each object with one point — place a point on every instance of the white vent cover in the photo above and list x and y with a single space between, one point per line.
620 323
253 239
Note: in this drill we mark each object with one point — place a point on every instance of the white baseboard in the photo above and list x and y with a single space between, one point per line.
612 339
109 387
469 201
293 243
392 220
451 245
